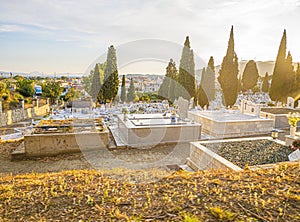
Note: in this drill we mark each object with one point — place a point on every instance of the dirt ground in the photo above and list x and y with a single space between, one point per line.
153 157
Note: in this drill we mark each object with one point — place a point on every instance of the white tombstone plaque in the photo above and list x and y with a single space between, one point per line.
290 102
295 156
298 107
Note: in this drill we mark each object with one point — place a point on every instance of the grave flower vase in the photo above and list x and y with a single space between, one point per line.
292 131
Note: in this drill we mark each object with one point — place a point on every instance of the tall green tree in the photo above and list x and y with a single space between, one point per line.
239 87
96 84
2 87
250 76
202 97
265 84
25 87
290 74
131 91
280 86
208 80
73 94
296 87
52 90
173 74
111 78
123 89
228 74
186 77
167 88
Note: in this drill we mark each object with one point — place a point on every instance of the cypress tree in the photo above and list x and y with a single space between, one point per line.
239 87
131 91
208 80
123 89
297 81
290 75
96 82
111 77
173 81
265 85
278 85
228 74
250 76
201 93
186 76
166 89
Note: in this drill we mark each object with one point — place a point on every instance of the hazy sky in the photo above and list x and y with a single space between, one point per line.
67 36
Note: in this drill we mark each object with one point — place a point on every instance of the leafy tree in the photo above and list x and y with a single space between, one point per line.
73 94
111 79
201 93
228 74
131 91
25 87
2 87
52 90
250 76
186 77
167 88
208 80
123 89
265 85
281 79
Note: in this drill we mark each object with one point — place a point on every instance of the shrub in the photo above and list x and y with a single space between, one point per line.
296 144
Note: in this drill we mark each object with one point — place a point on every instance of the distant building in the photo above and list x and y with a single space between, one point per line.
38 90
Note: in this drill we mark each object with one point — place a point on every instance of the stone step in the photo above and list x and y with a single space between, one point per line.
19 153
117 139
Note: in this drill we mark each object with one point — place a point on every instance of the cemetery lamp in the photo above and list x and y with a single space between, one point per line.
274 134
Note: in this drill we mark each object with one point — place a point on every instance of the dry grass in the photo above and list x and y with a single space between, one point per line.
269 195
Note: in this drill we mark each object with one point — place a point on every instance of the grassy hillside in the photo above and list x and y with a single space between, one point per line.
270 195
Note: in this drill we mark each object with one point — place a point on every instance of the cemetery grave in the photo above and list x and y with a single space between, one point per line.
236 154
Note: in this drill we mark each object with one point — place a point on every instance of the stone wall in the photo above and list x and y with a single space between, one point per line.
231 128
202 158
280 121
58 143
17 115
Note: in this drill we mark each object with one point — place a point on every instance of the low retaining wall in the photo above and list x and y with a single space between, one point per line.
202 158
17 115
280 121
58 143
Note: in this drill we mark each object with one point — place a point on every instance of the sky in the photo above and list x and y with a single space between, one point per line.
67 36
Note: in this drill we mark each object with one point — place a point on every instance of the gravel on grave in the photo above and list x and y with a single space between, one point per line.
251 152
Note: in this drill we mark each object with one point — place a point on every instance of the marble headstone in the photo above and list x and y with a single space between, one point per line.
294 156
